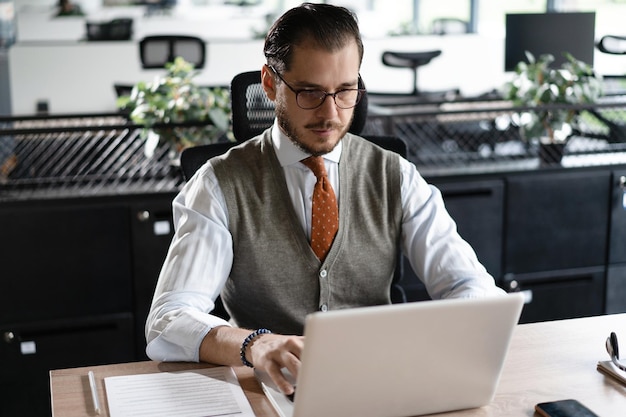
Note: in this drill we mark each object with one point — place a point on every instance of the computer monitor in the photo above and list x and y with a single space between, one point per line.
549 33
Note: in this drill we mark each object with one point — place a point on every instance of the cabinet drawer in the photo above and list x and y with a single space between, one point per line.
556 221
477 207
616 289
617 247
62 260
65 343
29 352
561 294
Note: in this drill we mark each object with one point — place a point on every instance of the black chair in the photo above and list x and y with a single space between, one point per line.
449 26
156 51
114 30
253 112
412 61
613 86
191 159
612 44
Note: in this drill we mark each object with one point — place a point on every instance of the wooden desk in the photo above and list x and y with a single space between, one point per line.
547 361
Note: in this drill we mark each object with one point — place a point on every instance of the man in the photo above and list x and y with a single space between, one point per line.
244 228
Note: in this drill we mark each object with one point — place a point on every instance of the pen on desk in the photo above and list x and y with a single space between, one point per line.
94 393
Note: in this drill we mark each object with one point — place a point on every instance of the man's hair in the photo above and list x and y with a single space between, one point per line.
327 26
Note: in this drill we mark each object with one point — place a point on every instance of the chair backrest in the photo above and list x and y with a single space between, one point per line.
253 112
115 30
612 44
156 51
193 158
449 26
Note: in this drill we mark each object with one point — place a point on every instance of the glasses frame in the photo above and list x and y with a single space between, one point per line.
360 93
613 349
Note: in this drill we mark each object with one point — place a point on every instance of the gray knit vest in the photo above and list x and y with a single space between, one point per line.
276 279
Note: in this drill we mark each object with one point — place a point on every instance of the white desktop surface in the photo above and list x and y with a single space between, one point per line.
547 361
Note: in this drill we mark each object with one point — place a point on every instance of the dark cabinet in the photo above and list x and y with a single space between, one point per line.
556 242
60 260
78 275
617 246
554 295
556 220
152 231
616 274
555 234
616 288
29 350
77 281
477 207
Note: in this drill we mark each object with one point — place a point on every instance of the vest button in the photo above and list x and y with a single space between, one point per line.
323 273
324 307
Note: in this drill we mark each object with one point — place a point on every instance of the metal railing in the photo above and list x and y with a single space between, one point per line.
482 136
79 155
103 154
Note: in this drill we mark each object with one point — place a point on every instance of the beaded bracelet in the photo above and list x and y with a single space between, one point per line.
247 341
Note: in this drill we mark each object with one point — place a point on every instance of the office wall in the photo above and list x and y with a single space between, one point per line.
79 76
51 63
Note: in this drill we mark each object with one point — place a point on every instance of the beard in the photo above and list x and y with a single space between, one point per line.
296 134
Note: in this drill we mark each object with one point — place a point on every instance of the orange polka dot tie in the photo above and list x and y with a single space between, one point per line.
325 217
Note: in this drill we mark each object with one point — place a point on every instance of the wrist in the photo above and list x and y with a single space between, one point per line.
247 341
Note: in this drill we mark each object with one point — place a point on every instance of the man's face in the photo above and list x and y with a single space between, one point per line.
316 131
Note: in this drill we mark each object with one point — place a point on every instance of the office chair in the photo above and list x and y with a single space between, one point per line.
449 26
612 44
253 112
614 86
156 51
115 30
191 159
412 61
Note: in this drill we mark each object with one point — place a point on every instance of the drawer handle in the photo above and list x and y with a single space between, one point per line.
9 337
143 215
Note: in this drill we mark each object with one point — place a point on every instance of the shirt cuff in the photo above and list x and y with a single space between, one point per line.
181 338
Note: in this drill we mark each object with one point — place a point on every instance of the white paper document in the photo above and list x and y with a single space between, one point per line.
192 393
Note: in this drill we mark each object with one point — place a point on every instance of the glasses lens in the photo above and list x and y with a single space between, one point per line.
344 99
347 99
310 99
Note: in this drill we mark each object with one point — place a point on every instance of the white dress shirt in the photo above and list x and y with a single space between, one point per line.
200 257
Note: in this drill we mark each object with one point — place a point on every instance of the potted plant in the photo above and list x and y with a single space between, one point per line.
550 90
175 98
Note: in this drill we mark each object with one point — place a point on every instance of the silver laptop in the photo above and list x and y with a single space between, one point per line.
401 359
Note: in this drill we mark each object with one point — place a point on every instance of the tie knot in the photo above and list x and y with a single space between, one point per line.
316 164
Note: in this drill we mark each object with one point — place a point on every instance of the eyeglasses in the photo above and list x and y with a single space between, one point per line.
613 349
308 99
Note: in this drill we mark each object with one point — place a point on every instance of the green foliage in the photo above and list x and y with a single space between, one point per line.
537 84
175 98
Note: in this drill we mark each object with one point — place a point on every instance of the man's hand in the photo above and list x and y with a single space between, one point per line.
267 352
272 352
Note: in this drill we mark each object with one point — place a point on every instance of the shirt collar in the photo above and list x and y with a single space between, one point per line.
289 154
